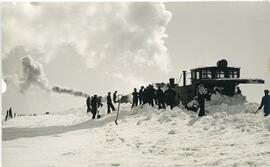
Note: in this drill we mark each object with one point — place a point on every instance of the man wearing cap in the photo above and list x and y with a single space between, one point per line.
135 95
109 103
265 103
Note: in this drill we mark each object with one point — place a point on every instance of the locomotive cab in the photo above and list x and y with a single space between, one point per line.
220 77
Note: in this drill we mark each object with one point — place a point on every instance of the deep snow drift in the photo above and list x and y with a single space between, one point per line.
230 135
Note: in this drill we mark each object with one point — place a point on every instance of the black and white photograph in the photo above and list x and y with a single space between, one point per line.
135 84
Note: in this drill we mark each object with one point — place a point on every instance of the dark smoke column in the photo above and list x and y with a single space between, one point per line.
58 89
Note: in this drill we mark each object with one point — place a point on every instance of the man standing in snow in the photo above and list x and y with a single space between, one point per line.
151 95
114 97
170 97
201 99
265 103
135 98
88 104
10 113
94 105
160 98
109 103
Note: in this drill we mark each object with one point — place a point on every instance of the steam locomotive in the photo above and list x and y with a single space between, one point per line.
221 76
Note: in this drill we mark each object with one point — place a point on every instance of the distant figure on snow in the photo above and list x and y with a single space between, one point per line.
265 103
6 118
94 105
10 113
114 97
109 103
88 104
135 95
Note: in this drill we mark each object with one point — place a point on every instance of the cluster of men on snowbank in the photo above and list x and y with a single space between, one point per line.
154 97
150 95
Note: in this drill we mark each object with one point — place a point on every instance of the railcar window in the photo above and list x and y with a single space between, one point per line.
231 74
220 74
206 74
197 75
193 75
235 74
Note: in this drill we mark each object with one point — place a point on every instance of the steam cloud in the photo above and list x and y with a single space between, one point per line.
128 33
33 75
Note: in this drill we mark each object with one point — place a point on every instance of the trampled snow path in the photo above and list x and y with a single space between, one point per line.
231 135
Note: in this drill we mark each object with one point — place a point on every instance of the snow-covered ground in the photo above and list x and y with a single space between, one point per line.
65 118
230 135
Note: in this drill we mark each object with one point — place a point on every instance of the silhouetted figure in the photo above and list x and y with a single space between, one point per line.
170 97
99 101
6 118
238 91
135 96
10 113
109 103
160 98
201 99
88 104
141 95
146 95
94 105
151 95
265 103
114 97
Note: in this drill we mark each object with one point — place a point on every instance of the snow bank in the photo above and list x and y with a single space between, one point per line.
230 135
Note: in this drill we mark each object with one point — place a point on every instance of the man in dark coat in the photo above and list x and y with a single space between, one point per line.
94 105
201 99
151 94
114 97
109 103
170 97
160 98
88 104
135 96
10 113
141 95
265 103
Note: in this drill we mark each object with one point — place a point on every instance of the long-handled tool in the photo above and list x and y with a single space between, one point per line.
117 113
256 111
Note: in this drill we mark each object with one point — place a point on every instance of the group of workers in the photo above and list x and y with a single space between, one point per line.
150 95
154 96
95 102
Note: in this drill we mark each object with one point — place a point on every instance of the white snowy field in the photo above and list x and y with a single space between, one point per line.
65 118
230 135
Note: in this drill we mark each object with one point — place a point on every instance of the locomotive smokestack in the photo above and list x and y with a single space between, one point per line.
184 78
172 82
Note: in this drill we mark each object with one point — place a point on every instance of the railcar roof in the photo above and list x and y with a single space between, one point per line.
211 67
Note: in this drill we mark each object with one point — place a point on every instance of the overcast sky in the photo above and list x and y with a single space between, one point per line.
101 47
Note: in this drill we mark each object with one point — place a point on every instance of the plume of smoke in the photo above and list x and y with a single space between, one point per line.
70 91
33 75
134 33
